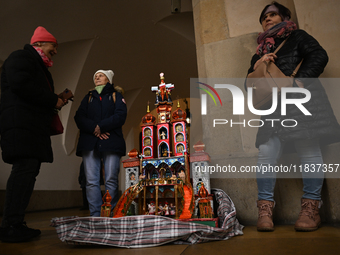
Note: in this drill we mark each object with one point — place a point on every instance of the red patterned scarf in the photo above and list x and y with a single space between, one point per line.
48 62
266 40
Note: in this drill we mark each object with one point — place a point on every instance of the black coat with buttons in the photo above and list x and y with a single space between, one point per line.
322 123
101 109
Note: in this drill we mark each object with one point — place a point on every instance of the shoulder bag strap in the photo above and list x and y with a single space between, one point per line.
280 46
297 67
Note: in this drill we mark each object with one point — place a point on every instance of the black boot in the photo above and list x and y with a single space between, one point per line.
18 233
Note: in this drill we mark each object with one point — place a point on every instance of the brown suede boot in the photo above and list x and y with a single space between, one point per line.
309 218
265 220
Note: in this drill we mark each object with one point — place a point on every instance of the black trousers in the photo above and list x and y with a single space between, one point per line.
19 189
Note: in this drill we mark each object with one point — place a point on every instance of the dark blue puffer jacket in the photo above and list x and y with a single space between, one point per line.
110 116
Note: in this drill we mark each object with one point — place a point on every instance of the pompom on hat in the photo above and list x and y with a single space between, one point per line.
42 35
108 73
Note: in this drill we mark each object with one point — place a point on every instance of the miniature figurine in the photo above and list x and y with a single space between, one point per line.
165 152
181 175
179 128
163 135
132 177
152 208
147 132
147 142
160 210
166 209
180 148
147 152
163 91
172 209
179 138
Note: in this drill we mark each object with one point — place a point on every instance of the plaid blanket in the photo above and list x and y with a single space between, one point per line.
148 230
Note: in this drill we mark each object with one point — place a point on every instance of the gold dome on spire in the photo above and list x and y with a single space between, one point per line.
179 114
148 118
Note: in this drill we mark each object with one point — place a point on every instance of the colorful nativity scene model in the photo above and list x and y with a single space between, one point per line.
158 180
164 190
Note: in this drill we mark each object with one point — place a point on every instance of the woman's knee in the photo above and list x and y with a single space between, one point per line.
270 151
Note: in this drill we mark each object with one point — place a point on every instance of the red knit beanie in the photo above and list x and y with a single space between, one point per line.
42 35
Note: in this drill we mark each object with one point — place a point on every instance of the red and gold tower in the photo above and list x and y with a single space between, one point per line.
179 131
149 135
164 106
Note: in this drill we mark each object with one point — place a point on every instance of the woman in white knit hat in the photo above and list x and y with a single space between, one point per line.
100 118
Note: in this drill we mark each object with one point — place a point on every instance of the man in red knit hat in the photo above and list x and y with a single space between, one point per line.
28 102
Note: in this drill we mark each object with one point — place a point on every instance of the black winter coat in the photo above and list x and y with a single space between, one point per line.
322 123
110 116
27 102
